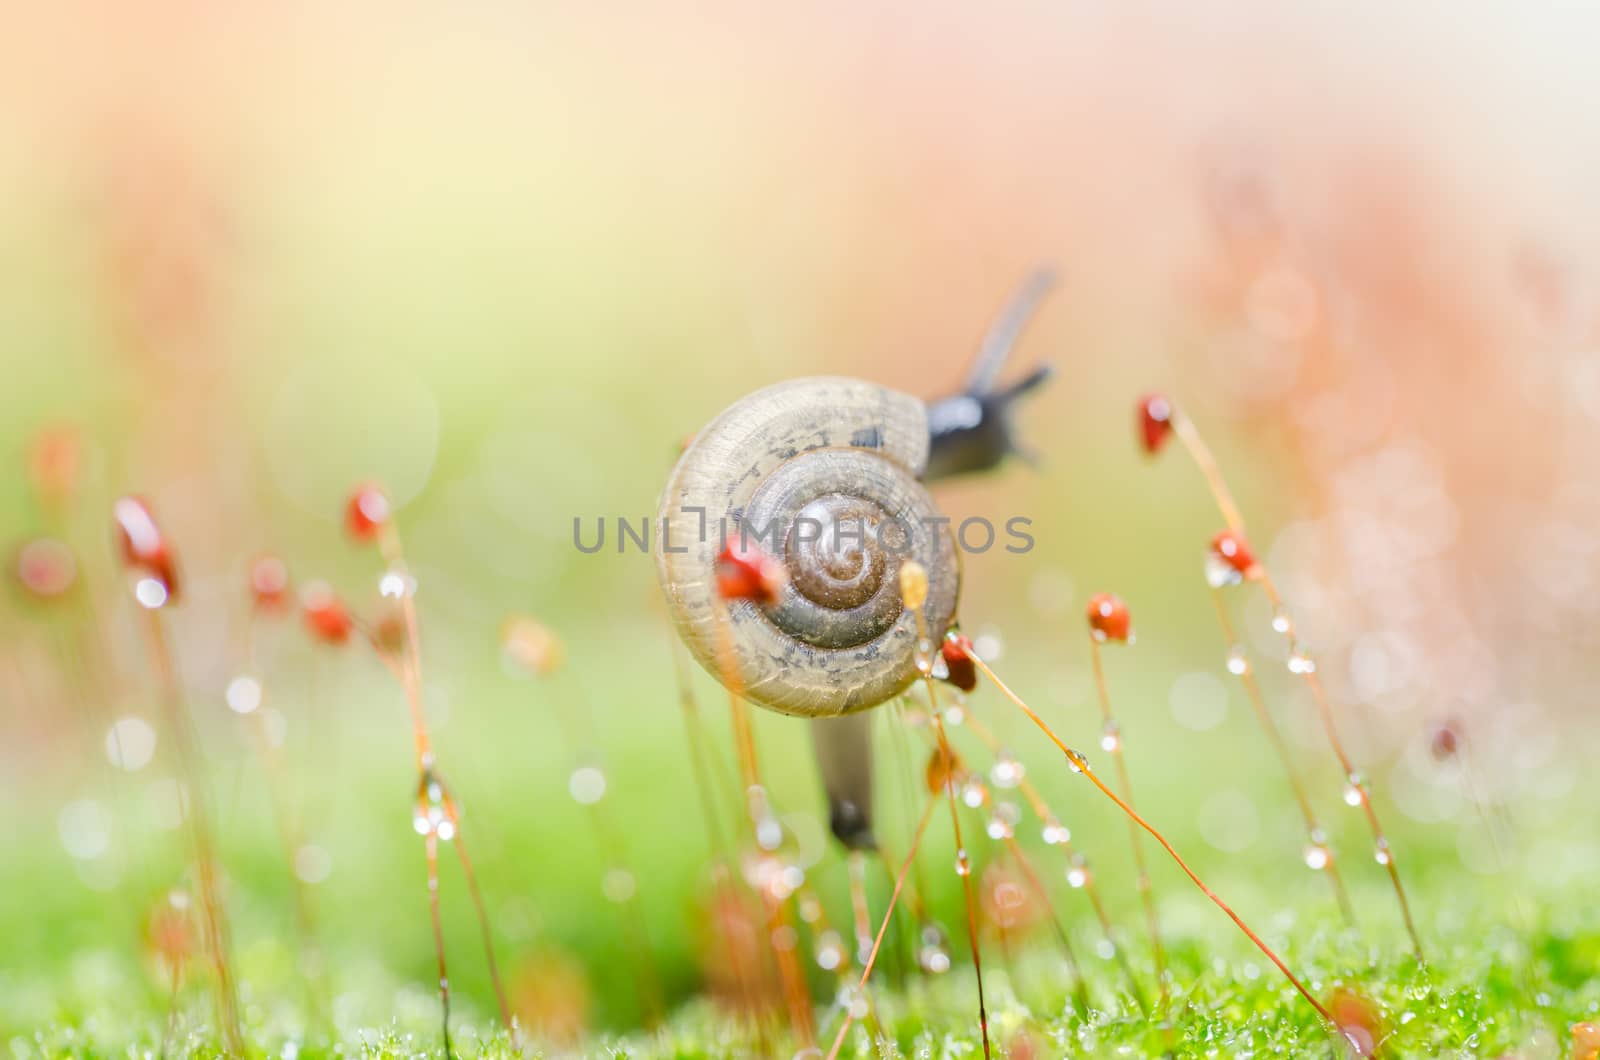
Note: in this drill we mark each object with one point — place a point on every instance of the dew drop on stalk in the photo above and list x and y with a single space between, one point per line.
1006 772
1317 857
963 863
1110 737
150 592
430 816
618 886
1354 791
587 785
130 743
1238 662
973 793
1301 663
933 955
1381 853
312 863
829 950
396 584
1280 621
1055 833
1219 573
243 694
1002 822
769 832
1078 872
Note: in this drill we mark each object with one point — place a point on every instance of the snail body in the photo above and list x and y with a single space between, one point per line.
824 476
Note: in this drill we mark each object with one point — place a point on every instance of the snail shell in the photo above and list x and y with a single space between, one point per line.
824 476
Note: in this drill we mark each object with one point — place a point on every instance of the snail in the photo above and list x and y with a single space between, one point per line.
826 477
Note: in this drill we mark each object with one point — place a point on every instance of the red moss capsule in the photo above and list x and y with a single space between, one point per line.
46 568
1109 619
531 646
744 572
1586 1041
1359 1020
1445 742
169 931
367 512
942 770
1155 422
144 549
961 670
55 457
325 614
269 582
1231 556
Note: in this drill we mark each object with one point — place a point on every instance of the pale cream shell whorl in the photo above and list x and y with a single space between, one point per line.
839 452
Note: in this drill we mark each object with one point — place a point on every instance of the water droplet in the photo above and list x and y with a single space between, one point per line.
396 584
769 832
1381 853
830 950
312 863
1006 772
618 886
973 793
1056 833
587 785
1110 737
130 743
85 829
1317 857
1078 873
954 716
1301 663
1220 573
150 592
1280 621
431 814
1072 762
1238 662
1354 791
243 694
963 863
933 955
1003 821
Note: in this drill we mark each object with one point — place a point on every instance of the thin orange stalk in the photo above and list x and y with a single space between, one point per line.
914 590
1081 986
1041 810
722 858
410 673
888 913
1201 454
1146 896
200 835
794 987
1080 765
1252 688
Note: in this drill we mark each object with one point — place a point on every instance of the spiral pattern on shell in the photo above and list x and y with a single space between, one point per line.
823 475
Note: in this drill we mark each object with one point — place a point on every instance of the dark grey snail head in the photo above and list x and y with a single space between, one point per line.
972 430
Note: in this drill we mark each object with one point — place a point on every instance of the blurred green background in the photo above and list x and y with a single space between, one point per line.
504 261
